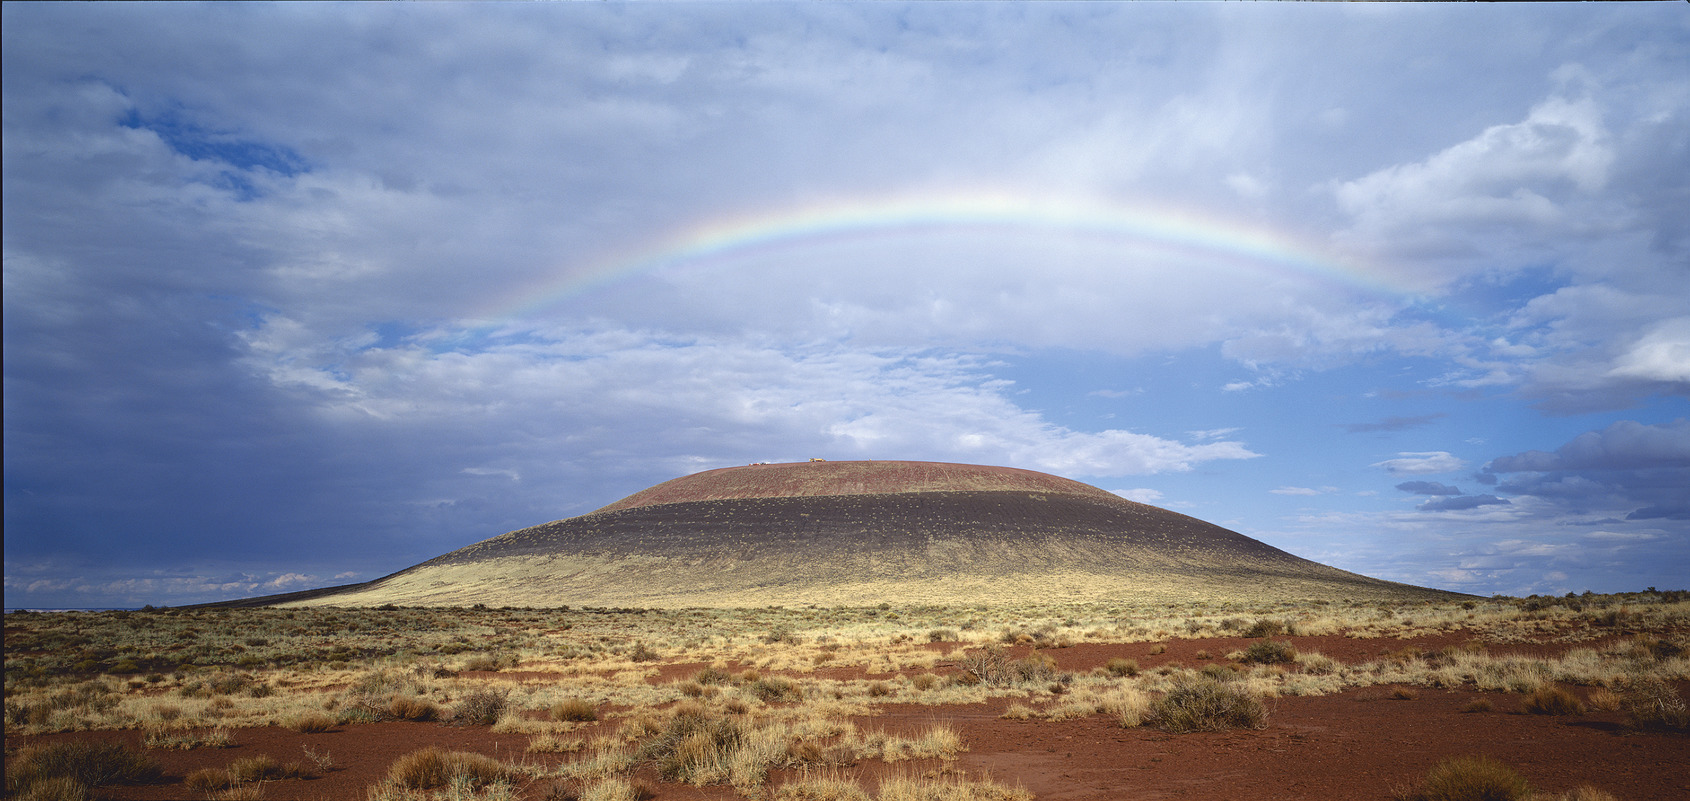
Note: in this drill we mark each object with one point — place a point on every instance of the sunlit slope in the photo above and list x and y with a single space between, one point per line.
854 533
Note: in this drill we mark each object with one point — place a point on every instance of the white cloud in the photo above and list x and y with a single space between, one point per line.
1625 536
1517 175
1295 491
721 397
1422 463
493 471
1214 433
1662 354
105 590
1141 495
1534 548
1247 185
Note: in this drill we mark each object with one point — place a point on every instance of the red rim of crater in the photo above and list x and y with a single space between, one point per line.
823 478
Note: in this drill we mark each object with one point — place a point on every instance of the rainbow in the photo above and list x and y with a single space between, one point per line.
855 220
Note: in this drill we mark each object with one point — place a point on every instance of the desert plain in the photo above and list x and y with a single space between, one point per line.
1575 697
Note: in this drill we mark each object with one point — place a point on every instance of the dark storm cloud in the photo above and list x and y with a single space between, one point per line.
1625 445
1630 469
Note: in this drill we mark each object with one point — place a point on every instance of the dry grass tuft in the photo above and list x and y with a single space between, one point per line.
56 789
1553 701
553 744
1202 703
431 768
1017 712
1270 652
310 723
263 768
1469 779
405 707
830 787
207 780
612 789
1655 704
909 788
993 666
575 709
1265 627
833 787
188 739
1604 700
1583 792
694 747
80 762
774 689
482 707
1317 664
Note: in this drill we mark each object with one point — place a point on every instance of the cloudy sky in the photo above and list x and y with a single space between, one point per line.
297 295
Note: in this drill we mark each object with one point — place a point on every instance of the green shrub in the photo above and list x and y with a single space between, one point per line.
1470 779
1122 667
1202 703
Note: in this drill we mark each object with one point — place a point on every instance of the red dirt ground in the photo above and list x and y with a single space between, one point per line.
1360 744
798 479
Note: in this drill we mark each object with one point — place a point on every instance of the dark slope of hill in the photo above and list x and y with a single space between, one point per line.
857 533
